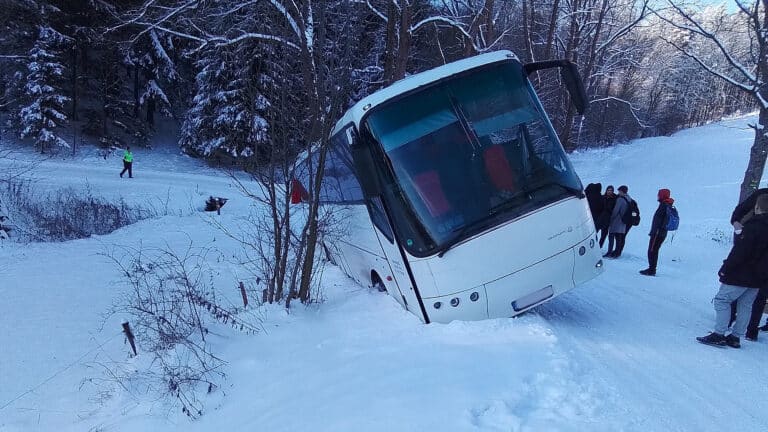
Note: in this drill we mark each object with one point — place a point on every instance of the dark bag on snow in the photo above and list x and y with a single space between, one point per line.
215 203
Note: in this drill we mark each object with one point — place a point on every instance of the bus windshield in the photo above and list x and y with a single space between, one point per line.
468 153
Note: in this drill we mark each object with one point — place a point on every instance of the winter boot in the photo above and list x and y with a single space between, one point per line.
648 272
714 339
732 341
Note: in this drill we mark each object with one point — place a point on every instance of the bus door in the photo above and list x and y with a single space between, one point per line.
404 290
399 281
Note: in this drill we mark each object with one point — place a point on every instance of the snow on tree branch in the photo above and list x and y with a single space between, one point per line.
746 87
632 108
697 28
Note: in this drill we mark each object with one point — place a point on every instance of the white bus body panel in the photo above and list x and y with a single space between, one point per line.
512 267
359 251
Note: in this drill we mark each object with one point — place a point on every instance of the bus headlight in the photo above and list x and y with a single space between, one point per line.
437 305
599 264
591 243
474 296
582 250
455 301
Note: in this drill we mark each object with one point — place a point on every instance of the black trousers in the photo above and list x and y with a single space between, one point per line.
619 239
757 311
127 167
603 235
654 244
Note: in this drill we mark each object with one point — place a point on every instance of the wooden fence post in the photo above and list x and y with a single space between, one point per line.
245 296
129 335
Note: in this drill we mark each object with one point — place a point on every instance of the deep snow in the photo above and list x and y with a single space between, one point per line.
617 353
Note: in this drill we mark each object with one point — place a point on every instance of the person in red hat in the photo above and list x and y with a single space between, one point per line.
658 231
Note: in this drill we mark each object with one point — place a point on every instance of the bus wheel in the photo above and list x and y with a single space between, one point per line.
377 283
328 255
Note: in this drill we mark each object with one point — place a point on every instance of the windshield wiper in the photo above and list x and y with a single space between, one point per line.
460 235
578 192
511 202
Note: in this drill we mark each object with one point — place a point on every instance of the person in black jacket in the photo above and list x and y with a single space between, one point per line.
594 191
741 214
744 271
604 220
658 231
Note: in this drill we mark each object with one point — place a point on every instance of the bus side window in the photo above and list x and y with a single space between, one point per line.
340 185
379 218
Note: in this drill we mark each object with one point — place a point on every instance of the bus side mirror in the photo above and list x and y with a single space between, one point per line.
366 170
569 73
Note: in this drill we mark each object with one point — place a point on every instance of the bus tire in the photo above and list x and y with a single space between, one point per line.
377 283
328 255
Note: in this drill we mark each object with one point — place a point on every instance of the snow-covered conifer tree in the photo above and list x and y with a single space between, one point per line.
227 113
44 110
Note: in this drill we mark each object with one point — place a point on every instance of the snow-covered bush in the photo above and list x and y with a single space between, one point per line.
66 214
4 222
174 311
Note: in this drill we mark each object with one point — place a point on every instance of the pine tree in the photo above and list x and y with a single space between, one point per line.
44 109
226 119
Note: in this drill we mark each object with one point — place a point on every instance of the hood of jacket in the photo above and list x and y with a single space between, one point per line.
664 196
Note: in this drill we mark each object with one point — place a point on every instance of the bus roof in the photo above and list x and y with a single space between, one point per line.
418 80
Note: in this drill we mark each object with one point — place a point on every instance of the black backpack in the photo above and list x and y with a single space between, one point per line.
632 215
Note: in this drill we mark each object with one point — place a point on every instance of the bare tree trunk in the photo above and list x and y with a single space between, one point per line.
489 31
593 47
552 29
759 150
312 233
276 284
136 90
391 47
315 77
74 83
404 41
527 33
572 53
757 157
151 111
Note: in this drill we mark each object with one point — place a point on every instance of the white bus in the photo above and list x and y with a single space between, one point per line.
457 196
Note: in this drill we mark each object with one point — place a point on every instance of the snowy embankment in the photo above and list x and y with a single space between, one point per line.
615 354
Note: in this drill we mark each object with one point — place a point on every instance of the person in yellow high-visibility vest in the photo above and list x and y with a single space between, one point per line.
127 162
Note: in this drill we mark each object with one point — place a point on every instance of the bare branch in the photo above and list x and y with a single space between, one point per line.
698 29
632 109
746 87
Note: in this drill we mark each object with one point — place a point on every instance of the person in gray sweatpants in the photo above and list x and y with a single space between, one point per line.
744 271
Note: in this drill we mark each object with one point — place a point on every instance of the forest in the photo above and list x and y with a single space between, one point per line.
240 78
